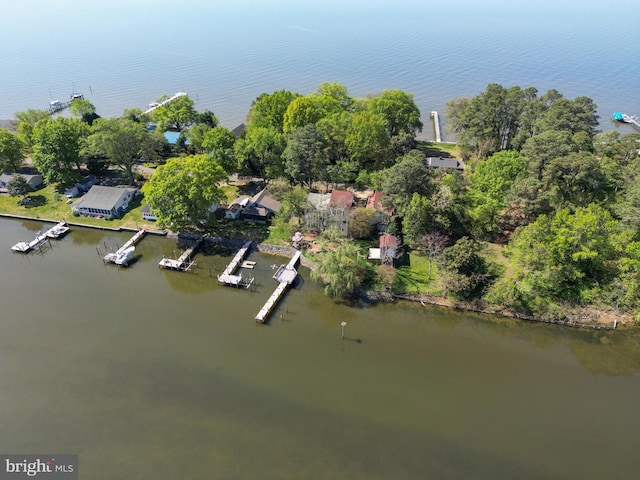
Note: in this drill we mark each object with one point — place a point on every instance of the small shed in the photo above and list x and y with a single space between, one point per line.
147 214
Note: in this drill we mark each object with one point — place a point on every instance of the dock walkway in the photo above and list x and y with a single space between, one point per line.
228 278
113 256
182 263
436 124
164 102
285 275
54 232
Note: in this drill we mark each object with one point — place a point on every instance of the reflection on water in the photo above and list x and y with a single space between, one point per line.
170 367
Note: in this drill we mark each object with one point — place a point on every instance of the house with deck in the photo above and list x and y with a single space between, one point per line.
326 210
108 202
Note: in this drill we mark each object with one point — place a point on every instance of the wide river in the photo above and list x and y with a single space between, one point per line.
146 373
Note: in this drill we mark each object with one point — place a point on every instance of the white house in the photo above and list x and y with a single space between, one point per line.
105 201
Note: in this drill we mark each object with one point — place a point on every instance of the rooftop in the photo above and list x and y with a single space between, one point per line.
103 198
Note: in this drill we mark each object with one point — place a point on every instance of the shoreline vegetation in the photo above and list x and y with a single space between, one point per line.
592 319
531 215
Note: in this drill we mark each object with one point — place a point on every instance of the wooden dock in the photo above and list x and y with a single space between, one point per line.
54 232
631 120
164 102
182 263
112 257
436 125
228 278
285 275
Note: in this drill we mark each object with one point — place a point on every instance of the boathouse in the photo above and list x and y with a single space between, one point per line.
104 201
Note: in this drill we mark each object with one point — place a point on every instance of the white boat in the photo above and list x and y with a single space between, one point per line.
58 230
21 247
123 257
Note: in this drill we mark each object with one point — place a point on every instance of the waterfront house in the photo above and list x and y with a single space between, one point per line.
103 201
34 181
235 208
261 207
326 210
80 188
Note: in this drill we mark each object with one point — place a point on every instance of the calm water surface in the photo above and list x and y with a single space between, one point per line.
123 54
152 374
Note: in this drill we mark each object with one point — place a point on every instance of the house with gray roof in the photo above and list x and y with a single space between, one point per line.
444 162
104 201
34 181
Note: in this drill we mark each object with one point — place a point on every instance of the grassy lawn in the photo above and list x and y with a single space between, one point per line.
413 278
50 205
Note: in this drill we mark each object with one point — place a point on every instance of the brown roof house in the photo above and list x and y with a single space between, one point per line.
391 251
326 210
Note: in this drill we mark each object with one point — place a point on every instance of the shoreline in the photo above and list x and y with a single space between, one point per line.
375 297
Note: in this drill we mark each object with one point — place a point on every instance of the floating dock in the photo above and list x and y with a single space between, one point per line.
54 232
228 278
286 275
124 251
153 106
436 125
182 263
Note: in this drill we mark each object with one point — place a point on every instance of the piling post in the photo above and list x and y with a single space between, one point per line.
343 324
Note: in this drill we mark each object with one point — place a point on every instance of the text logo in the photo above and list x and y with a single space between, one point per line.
39 467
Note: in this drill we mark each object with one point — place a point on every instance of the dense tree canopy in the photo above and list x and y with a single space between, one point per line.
177 114
124 143
11 151
56 148
182 191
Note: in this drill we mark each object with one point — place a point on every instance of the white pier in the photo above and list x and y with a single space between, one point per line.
122 255
436 124
54 232
164 102
286 275
182 263
228 278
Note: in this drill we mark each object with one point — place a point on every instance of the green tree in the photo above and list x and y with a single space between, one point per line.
410 175
182 191
367 141
490 120
18 186
466 272
361 223
302 111
260 152
573 116
574 181
343 269
124 143
26 121
219 144
56 148
418 218
84 110
305 158
399 111
268 110
489 182
294 201
11 151
561 255
177 114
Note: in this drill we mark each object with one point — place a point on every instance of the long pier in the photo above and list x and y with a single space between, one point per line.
228 278
631 120
113 257
286 275
436 124
164 102
54 232
183 262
